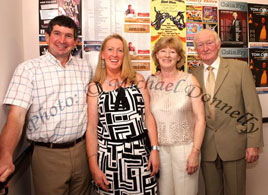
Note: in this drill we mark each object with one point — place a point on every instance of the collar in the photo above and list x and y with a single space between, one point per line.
52 58
215 64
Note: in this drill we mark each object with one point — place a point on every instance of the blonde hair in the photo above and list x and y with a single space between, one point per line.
171 42
128 74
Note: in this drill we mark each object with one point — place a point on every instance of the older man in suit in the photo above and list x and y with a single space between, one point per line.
233 116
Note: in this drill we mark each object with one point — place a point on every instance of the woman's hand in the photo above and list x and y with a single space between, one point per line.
154 162
100 179
192 162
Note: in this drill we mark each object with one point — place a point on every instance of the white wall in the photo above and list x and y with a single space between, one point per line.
11 50
19 38
11 54
30 27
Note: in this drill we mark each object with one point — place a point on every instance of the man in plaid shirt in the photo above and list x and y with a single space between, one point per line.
50 92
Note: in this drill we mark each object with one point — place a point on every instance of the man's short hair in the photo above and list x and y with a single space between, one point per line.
62 21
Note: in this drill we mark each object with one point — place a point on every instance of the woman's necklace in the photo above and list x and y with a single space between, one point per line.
113 83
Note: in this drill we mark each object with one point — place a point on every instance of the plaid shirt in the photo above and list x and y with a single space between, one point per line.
54 96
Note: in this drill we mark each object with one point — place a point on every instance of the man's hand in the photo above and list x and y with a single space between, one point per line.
252 154
9 138
6 167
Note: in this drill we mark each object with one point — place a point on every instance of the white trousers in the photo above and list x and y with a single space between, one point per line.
174 179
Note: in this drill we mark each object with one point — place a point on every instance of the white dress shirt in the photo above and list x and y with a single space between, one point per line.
215 66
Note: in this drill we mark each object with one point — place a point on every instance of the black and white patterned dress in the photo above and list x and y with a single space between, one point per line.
122 154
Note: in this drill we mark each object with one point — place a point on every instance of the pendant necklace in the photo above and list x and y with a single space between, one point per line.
115 84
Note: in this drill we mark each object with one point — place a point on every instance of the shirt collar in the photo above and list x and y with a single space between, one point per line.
215 64
52 58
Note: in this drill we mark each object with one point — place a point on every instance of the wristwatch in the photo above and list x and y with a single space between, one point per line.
155 148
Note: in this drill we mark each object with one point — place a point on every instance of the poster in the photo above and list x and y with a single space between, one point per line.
233 24
202 2
129 18
201 14
210 14
137 33
193 61
258 62
258 22
193 13
142 23
48 9
168 18
192 29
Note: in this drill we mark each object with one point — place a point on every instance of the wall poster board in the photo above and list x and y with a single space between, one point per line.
242 28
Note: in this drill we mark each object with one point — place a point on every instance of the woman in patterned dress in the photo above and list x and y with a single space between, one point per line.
118 119
176 104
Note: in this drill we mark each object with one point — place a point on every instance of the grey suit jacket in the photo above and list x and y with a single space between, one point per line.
238 117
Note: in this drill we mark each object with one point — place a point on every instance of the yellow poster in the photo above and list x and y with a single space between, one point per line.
167 19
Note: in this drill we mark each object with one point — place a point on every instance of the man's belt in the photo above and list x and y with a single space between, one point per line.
59 145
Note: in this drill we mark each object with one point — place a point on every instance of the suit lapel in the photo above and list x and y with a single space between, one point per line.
222 73
200 77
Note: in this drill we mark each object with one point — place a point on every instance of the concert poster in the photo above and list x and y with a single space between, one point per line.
233 24
49 9
258 22
168 18
258 63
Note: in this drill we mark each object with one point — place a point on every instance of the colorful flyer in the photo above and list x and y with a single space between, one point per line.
193 13
193 61
210 14
192 29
